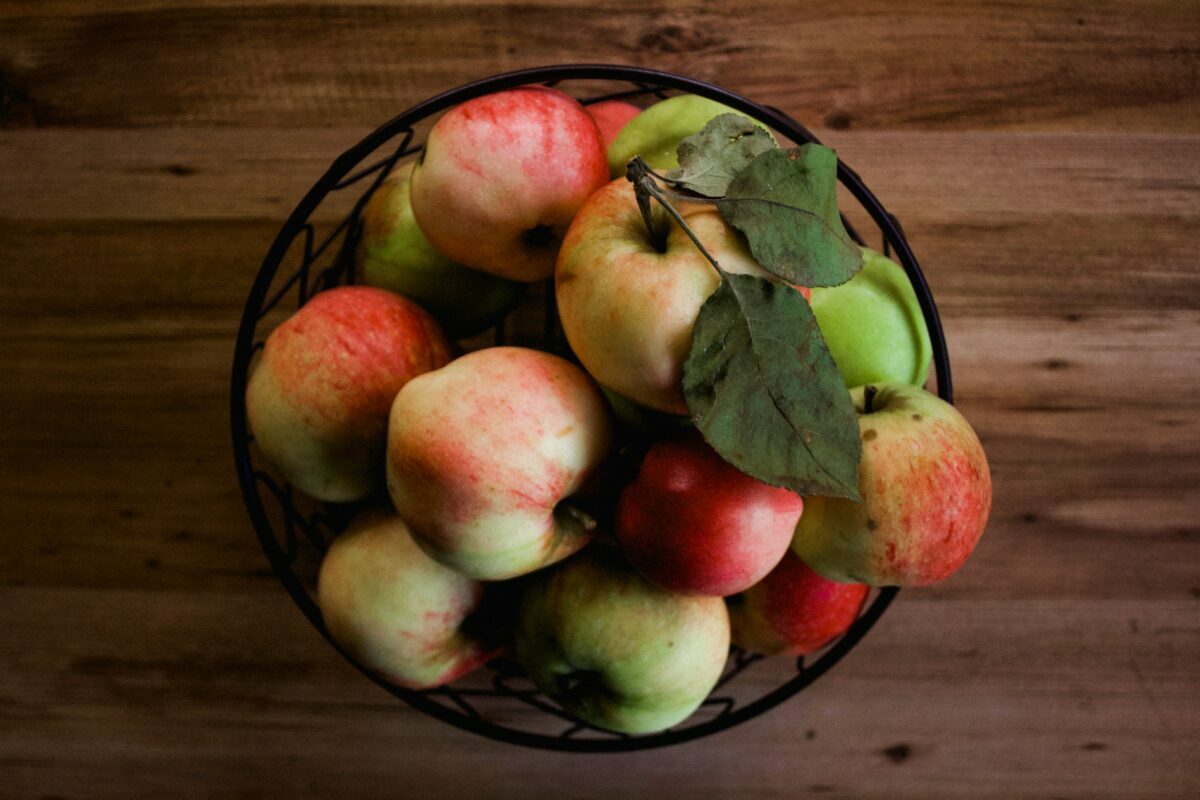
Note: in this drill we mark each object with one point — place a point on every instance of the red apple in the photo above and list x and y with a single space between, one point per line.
318 400
693 523
397 611
611 116
793 610
926 493
502 176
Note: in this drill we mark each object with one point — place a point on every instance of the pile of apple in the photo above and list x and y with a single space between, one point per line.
568 512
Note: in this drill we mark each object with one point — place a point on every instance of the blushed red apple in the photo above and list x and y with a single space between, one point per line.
611 116
793 610
397 611
501 177
926 492
318 400
484 454
694 524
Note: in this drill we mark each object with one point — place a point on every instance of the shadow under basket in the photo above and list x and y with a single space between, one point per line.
315 251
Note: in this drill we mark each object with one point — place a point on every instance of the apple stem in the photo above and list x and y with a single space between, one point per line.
869 392
642 177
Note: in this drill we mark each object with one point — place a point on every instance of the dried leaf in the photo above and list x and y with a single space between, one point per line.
710 159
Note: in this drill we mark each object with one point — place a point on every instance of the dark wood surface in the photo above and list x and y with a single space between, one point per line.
1045 160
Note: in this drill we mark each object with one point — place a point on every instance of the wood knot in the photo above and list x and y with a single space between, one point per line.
838 121
17 109
675 38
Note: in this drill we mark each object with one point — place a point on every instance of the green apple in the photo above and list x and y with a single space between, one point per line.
655 133
397 611
926 493
394 254
873 325
614 649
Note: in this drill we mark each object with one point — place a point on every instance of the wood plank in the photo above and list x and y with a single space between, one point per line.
936 64
232 689
983 178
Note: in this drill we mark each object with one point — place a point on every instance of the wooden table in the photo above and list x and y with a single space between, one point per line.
1045 160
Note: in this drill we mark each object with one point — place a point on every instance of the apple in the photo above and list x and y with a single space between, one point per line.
502 175
611 116
793 611
926 493
655 133
393 254
627 309
317 401
873 325
615 650
643 421
694 524
484 453
397 611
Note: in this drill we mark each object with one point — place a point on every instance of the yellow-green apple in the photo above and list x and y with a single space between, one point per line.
393 254
628 309
655 133
926 493
502 175
317 402
793 611
873 325
611 116
484 454
694 524
614 649
397 611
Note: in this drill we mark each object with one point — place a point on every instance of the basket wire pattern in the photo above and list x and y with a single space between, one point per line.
295 532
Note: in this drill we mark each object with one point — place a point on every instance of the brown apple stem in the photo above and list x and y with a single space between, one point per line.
869 392
638 173
642 177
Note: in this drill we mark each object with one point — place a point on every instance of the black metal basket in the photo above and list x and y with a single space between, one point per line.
498 701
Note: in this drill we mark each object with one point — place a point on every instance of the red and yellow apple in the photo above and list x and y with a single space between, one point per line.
397 611
317 402
793 611
926 493
502 175
614 649
393 254
484 454
694 524
627 309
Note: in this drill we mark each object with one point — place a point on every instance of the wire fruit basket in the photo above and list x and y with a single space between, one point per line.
315 251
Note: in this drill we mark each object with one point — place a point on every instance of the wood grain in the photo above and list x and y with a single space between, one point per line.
1045 162
936 64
